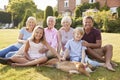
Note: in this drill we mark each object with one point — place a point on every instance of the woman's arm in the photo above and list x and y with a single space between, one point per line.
20 39
65 55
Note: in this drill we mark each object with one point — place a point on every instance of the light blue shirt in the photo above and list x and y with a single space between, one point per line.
75 48
26 35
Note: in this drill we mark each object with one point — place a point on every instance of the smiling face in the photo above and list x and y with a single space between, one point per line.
31 23
77 35
38 34
66 22
50 22
88 23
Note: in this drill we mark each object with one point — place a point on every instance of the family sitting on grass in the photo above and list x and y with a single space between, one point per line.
37 45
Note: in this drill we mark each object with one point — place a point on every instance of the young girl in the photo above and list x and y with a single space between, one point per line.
76 51
32 55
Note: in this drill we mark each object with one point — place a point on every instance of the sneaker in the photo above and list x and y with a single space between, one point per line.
4 60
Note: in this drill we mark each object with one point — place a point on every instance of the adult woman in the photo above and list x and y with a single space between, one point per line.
24 34
65 32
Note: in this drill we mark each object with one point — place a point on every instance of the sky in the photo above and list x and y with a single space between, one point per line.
41 4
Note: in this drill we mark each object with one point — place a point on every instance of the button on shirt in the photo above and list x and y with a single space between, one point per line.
51 37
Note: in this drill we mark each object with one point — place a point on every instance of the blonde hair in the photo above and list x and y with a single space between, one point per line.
66 19
33 34
80 29
31 18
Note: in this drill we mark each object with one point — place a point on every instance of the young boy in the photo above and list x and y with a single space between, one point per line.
76 51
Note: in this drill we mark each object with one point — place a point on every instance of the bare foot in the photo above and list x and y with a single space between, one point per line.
38 65
114 64
13 64
109 67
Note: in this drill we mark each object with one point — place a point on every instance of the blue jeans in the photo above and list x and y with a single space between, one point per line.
5 51
92 62
10 54
87 60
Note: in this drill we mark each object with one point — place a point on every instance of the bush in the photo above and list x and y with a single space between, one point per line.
118 10
58 22
106 8
77 13
48 12
5 17
56 13
114 26
28 13
76 22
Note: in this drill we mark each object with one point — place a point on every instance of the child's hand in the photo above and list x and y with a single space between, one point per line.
85 43
63 59
43 50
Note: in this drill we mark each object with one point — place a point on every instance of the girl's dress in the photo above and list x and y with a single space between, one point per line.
34 49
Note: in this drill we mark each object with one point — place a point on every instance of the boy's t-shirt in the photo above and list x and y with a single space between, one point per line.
75 48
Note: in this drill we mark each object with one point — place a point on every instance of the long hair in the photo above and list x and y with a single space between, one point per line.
33 34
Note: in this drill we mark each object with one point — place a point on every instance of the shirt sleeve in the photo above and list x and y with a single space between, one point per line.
54 41
22 31
98 35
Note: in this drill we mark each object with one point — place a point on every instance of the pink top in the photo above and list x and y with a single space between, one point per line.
66 36
51 37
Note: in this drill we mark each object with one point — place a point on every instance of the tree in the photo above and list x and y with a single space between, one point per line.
28 13
5 17
56 13
18 7
48 12
118 11
77 13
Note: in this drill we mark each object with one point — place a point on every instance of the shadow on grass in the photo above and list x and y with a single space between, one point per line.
99 74
55 74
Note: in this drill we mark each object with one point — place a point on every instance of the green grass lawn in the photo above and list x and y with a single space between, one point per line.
9 36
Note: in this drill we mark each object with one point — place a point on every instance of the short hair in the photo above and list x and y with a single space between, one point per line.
66 19
88 17
80 29
54 19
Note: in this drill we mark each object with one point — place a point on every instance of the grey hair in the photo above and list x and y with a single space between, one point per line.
54 19
66 19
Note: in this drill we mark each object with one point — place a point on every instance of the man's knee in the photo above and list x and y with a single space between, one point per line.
108 47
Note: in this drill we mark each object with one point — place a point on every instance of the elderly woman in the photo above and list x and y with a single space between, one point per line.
65 32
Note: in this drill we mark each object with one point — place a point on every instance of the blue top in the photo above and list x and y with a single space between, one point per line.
75 48
26 35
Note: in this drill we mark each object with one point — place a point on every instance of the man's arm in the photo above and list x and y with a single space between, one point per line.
92 45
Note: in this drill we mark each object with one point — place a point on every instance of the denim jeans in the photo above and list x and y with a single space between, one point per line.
5 51
10 54
92 62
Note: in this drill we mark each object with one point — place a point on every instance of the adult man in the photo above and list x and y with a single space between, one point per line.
93 43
